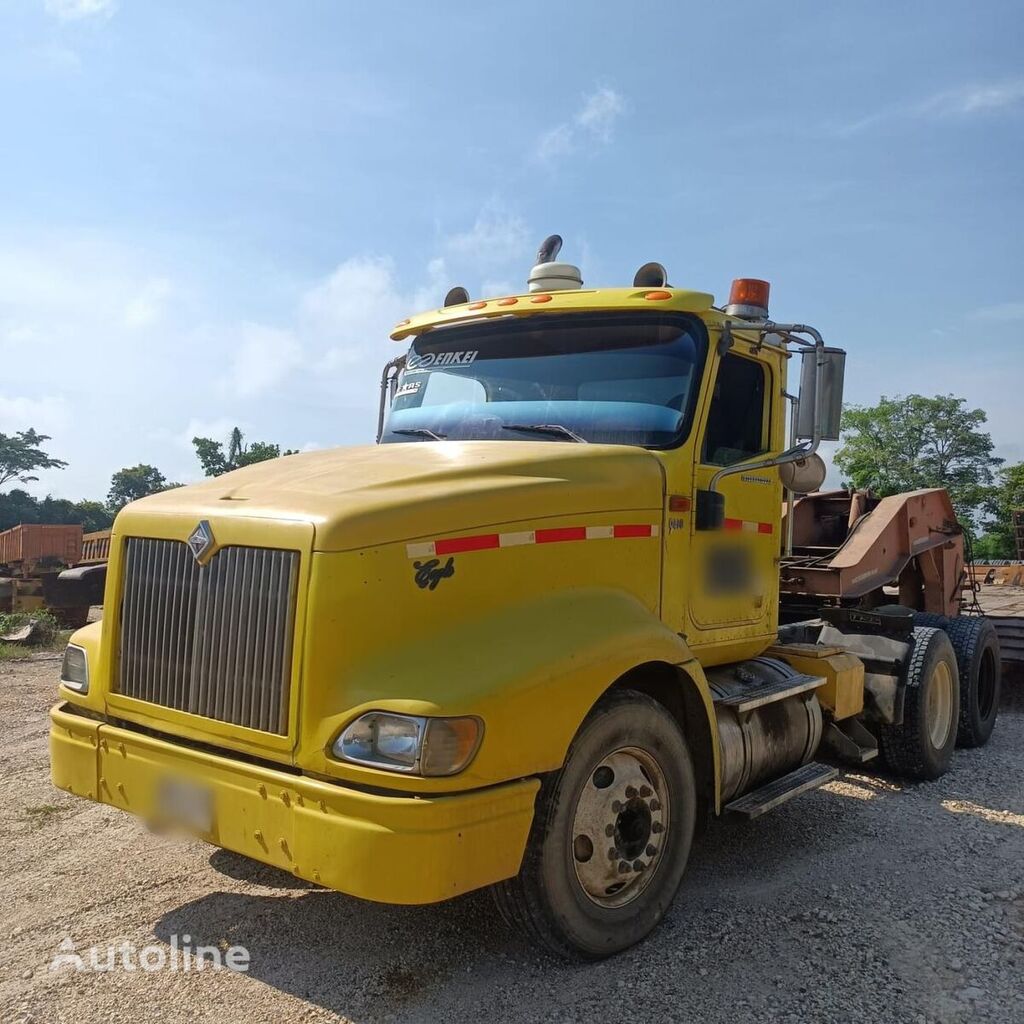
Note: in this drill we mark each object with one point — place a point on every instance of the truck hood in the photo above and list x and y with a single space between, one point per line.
366 496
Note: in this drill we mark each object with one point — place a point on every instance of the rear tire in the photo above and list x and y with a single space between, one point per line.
922 746
931 619
976 646
611 834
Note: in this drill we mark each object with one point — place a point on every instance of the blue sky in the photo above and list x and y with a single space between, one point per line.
211 213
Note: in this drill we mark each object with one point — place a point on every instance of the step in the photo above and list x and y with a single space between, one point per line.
850 741
768 693
779 791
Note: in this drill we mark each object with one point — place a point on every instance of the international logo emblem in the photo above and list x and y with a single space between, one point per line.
200 541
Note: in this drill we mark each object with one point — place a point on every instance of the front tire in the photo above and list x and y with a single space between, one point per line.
611 834
922 745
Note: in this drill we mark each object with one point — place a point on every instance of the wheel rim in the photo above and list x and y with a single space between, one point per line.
620 826
986 684
940 705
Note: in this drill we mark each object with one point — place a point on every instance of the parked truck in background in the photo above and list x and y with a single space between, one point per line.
531 639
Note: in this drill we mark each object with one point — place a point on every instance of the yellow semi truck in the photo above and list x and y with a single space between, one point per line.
568 608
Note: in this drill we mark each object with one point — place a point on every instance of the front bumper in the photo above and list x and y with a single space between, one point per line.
383 848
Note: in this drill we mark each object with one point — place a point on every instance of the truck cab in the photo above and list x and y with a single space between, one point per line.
530 639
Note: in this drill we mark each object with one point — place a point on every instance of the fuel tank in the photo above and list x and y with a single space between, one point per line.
766 741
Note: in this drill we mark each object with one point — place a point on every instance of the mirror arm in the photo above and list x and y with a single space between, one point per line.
386 378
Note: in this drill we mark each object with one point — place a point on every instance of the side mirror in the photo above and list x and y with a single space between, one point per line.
710 511
830 401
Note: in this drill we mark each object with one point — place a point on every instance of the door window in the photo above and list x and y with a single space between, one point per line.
736 419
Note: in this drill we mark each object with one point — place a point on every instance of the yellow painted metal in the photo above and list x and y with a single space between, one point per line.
394 849
526 637
843 691
594 299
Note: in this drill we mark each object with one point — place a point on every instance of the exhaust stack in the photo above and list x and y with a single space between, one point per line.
549 276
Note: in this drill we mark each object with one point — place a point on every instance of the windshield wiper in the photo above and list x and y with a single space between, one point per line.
545 428
419 432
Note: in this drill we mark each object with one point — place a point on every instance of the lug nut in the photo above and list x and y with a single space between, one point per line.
655 806
623 867
656 827
651 850
609 830
613 853
630 792
616 806
645 791
638 865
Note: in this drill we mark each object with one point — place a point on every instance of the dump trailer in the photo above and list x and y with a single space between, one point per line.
33 557
533 639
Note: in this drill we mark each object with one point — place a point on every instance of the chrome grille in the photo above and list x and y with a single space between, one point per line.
213 640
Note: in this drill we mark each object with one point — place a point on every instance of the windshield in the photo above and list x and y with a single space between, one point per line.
625 378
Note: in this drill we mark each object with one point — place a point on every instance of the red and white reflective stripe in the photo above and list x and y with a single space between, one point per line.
551 535
747 525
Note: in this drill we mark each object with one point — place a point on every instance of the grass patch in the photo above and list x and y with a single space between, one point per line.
47 637
43 813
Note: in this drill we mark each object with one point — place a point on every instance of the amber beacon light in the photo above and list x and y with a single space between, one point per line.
748 298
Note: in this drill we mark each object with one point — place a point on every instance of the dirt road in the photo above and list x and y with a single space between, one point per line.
868 901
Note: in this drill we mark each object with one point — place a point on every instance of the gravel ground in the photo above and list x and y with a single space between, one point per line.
866 901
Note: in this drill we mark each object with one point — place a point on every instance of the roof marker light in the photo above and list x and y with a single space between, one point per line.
541 298
477 305
658 296
507 302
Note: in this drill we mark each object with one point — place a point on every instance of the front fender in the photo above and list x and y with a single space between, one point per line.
531 671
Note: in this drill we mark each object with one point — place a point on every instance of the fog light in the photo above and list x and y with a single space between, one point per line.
74 670
410 743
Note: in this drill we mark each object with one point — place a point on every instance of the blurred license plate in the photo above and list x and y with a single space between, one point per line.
186 805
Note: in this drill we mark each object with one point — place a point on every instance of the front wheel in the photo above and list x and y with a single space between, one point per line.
611 834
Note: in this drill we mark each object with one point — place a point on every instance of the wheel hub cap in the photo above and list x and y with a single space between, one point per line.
940 705
620 826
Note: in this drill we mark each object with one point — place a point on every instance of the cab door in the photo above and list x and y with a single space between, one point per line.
734 570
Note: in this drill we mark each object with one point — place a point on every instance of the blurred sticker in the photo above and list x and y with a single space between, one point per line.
412 388
186 805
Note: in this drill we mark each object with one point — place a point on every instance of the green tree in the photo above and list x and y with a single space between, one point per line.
18 506
21 454
135 482
93 515
902 444
215 460
999 541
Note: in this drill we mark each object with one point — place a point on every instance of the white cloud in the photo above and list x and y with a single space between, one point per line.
48 415
218 429
77 10
592 125
975 99
555 143
497 237
356 305
1004 313
600 112
147 307
963 101
263 358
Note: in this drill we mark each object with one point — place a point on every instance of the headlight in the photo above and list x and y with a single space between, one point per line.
74 670
408 743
